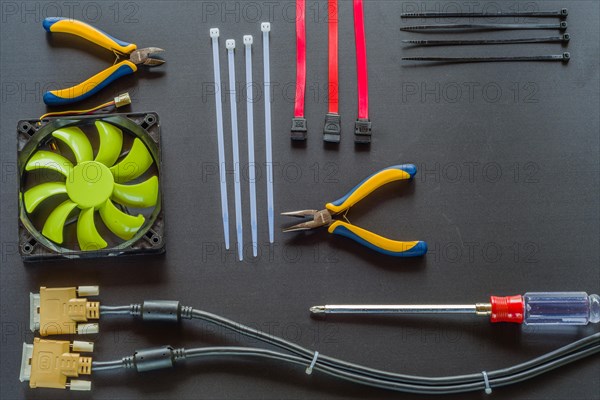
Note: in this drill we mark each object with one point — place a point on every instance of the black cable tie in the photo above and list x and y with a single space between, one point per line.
562 13
454 42
565 57
483 27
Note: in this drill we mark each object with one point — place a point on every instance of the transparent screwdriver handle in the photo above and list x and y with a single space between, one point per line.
561 308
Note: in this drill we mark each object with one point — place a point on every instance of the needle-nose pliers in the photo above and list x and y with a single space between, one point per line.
375 242
103 78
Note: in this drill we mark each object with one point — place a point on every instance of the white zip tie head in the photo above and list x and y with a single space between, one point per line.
248 39
265 27
214 32
486 381
312 363
230 44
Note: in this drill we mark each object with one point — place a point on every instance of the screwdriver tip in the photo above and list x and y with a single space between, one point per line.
317 309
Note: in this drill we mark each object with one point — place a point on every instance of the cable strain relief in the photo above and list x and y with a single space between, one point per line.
186 312
128 362
135 310
299 129
122 100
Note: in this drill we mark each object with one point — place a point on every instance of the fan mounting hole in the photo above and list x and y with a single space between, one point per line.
153 238
28 246
27 128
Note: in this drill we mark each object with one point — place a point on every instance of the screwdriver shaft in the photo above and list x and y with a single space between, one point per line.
395 309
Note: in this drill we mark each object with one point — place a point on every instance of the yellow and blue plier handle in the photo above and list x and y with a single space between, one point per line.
102 79
360 235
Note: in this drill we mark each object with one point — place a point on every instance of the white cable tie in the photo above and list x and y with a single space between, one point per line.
312 363
230 45
486 380
214 34
248 40
265 27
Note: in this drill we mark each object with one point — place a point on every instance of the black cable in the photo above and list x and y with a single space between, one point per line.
308 354
106 365
119 310
163 311
478 384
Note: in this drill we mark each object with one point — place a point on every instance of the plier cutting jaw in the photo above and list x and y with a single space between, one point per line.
326 217
102 79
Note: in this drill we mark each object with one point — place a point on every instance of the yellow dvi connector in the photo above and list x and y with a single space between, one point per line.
64 311
54 364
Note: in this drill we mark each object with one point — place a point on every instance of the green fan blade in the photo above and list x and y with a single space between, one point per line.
34 196
134 164
46 159
141 195
123 225
55 224
111 141
77 141
87 235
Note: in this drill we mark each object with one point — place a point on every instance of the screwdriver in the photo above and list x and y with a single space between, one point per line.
535 308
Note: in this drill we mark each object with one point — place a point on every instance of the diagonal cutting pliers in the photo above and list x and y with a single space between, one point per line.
102 79
326 217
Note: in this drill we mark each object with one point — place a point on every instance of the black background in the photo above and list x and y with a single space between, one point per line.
506 196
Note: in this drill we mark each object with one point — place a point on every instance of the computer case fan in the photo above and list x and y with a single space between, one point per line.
89 186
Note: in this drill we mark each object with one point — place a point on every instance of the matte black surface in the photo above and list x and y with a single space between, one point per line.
507 196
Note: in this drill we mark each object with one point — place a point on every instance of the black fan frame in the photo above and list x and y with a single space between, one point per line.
32 133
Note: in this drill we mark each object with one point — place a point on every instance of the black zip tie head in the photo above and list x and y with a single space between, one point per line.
299 129
333 128
564 12
563 25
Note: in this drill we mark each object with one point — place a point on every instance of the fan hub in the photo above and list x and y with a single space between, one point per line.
90 184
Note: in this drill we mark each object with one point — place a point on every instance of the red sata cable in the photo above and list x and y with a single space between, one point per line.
362 127
333 57
332 129
299 122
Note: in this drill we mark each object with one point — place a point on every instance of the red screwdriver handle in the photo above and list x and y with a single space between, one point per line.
507 309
